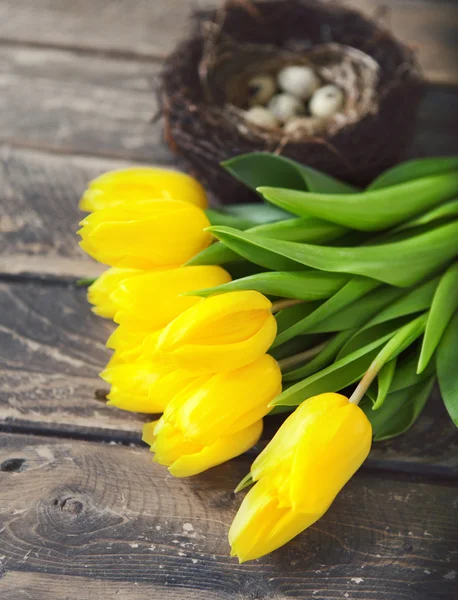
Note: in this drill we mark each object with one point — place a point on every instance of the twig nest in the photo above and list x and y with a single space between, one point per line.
298 80
326 102
211 81
285 106
261 117
261 88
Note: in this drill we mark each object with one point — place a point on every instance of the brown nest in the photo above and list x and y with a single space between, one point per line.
204 89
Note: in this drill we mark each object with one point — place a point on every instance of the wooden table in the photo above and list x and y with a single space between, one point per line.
84 514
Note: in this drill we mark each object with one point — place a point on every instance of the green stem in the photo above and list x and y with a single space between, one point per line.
403 338
291 361
281 304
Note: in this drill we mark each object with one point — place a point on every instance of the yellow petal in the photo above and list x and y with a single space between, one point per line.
283 445
100 292
220 451
147 235
220 333
151 300
148 433
219 405
337 444
141 183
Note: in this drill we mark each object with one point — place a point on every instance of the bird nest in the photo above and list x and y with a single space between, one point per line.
205 89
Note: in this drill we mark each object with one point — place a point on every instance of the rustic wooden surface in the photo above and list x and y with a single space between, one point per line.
75 509
83 512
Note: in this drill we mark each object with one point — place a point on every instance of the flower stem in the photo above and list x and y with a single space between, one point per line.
291 361
281 304
401 340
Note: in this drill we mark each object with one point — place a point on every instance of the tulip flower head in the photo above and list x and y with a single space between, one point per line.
129 343
152 234
214 418
152 300
100 292
135 184
298 475
143 386
220 333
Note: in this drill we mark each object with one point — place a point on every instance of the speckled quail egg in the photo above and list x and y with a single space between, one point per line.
260 116
285 106
326 101
261 89
297 127
298 81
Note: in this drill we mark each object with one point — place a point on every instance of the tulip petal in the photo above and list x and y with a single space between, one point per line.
100 293
222 450
141 183
151 300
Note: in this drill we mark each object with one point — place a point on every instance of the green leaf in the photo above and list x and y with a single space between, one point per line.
258 213
85 282
414 169
415 300
306 285
333 378
402 339
219 217
400 410
371 210
402 264
384 379
360 311
300 344
351 291
449 209
367 335
247 247
307 229
321 360
289 317
406 371
444 304
447 368
262 168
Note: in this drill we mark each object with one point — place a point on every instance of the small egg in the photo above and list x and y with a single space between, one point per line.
260 116
299 81
261 89
326 102
285 106
297 127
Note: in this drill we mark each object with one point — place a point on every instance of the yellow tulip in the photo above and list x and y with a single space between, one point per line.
220 333
100 292
141 183
214 418
151 300
130 343
142 385
312 456
145 235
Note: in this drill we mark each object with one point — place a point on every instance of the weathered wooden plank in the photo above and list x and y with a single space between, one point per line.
18 585
144 28
52 348
104 516
39 214
79 104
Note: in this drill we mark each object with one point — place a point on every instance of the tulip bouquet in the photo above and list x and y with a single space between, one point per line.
225 316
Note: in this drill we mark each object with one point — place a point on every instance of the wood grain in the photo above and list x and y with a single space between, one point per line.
79 104
95 513
39 196
52 348
142 28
